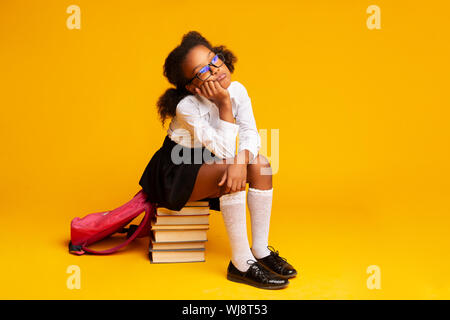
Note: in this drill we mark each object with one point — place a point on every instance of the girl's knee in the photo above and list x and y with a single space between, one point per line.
262 160
258 169
259 162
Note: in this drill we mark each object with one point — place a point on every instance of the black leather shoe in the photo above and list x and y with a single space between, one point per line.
256 276
277 264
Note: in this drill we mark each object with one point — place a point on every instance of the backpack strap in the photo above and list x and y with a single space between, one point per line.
126 242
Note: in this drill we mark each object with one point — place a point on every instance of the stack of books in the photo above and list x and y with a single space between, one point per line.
179 236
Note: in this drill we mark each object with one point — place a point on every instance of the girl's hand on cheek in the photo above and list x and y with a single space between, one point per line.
213 91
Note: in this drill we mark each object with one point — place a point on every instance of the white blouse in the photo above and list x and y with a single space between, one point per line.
197 123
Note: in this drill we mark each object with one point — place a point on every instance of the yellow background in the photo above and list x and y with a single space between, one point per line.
362 116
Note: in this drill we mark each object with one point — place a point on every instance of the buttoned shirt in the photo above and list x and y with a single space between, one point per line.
197 123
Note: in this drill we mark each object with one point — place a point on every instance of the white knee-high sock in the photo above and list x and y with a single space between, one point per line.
260 207
232 206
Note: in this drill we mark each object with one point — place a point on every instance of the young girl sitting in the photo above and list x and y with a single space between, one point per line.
203 107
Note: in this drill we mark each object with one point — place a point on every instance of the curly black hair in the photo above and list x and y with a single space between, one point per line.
167 103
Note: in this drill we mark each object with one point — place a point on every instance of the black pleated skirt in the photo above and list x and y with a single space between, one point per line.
169 184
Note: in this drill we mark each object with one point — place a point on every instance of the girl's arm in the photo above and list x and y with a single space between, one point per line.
220 141
249 138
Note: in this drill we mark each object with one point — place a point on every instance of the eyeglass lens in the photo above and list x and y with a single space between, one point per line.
205 72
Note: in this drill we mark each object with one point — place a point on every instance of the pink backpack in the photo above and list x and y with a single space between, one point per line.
97 226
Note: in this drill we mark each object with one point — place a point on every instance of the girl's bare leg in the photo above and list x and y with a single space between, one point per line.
209 175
